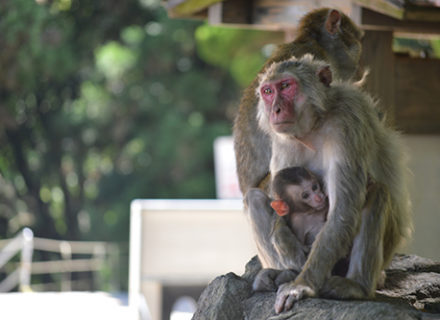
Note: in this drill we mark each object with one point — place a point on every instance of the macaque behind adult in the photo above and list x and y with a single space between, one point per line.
332 129
298 196
327 34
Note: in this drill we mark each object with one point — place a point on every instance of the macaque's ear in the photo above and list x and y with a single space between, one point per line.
325 75
280 207
333 21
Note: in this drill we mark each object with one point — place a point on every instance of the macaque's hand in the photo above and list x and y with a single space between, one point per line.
280 207
289 293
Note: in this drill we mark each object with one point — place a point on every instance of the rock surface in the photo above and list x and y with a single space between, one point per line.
412 291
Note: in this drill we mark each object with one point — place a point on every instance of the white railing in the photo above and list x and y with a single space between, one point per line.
27 243
9 248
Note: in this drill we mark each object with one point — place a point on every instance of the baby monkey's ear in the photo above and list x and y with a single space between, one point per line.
280 207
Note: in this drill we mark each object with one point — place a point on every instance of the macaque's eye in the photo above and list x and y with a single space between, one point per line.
285 85
305 195
315 187
267 91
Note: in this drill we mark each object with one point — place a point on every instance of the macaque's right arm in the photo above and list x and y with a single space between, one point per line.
277 246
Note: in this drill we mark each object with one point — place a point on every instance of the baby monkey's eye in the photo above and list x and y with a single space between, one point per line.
315 187
305 195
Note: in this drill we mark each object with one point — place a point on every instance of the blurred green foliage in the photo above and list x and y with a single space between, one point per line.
104 102
242 52
428 47
101 103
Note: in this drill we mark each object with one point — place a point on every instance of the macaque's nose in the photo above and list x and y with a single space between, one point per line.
318 198
276 104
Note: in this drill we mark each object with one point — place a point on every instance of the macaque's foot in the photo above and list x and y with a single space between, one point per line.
271 279
381 280
265 280
342 288
289 293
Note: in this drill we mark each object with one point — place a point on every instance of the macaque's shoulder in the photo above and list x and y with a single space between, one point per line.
347 102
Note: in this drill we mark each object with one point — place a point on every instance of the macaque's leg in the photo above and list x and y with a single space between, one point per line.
366 261
342 288
277 246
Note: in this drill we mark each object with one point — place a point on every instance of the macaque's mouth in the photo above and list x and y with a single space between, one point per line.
283 126
322 207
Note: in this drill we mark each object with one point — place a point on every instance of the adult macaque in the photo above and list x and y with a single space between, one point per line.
334 131
327 34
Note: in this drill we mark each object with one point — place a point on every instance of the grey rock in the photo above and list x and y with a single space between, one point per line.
222 299
412 291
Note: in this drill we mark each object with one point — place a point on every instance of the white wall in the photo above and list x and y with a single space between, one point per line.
424 151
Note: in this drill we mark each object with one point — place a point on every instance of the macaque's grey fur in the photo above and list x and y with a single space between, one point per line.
338 136
329 35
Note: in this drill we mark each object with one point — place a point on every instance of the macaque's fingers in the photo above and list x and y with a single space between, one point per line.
289 293
280 301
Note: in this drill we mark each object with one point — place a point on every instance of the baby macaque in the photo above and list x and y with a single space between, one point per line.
301 201
299 197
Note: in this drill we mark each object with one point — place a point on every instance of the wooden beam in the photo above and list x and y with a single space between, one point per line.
234 12
390 8
377 55
188 8
423 13
287 13
371 20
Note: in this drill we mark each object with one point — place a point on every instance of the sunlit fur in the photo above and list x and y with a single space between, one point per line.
363 167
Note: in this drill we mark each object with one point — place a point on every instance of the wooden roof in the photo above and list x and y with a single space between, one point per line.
419 16
407 88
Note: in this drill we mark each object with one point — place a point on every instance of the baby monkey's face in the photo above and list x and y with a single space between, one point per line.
308 194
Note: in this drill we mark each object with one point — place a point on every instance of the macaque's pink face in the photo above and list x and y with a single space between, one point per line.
279 99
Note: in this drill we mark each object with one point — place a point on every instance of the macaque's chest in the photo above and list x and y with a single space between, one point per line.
291 153
306 226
